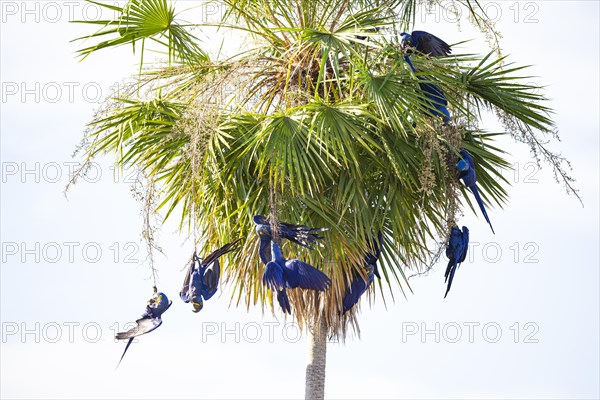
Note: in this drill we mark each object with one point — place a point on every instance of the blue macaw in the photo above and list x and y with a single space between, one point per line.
281 274
359 286
202 278
151 319
456 251
466 172
426 43
300 234
429 44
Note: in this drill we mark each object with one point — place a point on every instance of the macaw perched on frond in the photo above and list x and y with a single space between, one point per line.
359 286
151 319
202 278
303 235
431 45
282 274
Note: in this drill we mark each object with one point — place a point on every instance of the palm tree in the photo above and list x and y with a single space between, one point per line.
309 123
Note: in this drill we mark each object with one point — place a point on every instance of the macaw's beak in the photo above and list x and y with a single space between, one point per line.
376 272
196 307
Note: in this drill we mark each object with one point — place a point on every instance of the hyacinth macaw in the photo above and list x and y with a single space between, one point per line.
466 172
150 320
429 44
281 274
300 234
426 43
456 251
359 286
202 278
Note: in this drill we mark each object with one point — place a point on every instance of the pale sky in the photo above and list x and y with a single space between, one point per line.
521 321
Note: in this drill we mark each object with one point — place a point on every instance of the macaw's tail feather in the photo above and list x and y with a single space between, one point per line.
481 206
448 269
410 64
284 301
447 290
123 355
451 277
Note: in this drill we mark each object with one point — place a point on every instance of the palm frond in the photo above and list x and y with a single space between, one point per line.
141 20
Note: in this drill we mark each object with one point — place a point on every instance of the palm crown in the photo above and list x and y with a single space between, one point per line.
325 128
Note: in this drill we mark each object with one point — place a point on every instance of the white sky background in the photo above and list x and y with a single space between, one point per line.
552 283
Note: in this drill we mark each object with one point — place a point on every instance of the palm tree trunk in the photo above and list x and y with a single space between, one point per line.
317 358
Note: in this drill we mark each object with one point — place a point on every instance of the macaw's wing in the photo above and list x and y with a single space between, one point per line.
353 293
185 288
264 250
467 157
437 99
481 206
468 177
144 325
430 44
464 245
453 242
301 234
273 277
450 275
455 250
211 275
301 274
449 267
197 282
302 238
125 351
284 301
162 308
219 252
211 280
